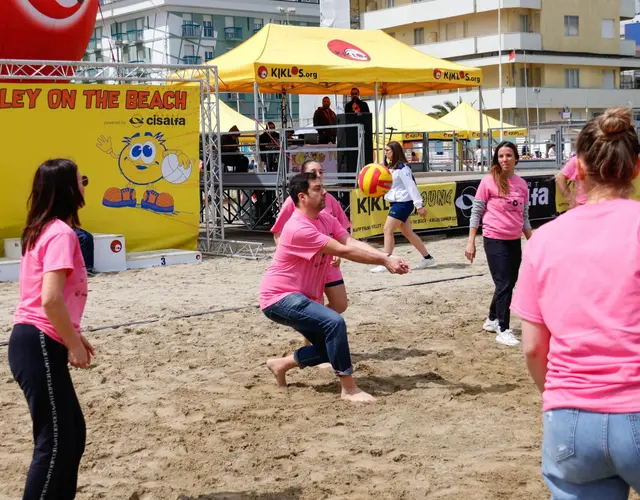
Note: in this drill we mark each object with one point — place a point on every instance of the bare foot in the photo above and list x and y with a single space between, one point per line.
279 367
325 366
357 396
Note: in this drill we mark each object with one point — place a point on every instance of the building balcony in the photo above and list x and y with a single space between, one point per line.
627 10
118 38
548 98
628 48
191 30
432 10
468 47
94 44
135 36
233 33
192 60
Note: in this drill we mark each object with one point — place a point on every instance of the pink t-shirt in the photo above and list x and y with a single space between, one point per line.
298 265
504 215
570 171
332 207
57 248
580 277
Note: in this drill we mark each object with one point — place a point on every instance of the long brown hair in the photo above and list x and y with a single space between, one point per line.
55 194
608 150
397 156
499 177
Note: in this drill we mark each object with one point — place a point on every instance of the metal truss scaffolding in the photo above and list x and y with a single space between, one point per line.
211 237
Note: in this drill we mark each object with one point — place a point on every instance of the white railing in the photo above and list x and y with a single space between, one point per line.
482 44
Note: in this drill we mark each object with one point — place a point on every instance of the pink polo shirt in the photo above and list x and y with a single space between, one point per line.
504 215
332 207
298 265
570 171
580 277
57 249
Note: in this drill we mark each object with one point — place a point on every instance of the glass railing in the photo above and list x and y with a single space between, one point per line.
191 30
233 33
192 60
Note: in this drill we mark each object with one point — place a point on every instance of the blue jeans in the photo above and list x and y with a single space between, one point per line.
591 456
323 327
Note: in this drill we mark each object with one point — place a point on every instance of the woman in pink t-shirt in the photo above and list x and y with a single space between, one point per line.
502 204
46 334
579 297
569 173
334 288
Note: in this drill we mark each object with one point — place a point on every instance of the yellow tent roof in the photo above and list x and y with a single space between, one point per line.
406 119
467 119
309 60
230 117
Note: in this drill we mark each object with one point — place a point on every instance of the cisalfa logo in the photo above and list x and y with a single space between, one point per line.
136 120
348 51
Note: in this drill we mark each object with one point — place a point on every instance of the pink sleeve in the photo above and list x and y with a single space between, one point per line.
525 298
58 251
482 193
307 241
570 170
285 214
339 214
338 230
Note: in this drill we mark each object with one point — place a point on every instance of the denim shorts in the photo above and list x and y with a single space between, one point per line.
401 210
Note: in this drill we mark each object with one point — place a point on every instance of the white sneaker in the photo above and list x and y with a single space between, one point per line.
378 269
491 325
507 338
424 263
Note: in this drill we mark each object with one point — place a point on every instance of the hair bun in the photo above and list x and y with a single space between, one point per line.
615 121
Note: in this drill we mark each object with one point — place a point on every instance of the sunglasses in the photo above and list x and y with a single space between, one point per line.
85 181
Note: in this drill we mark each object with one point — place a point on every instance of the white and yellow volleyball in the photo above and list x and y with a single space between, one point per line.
375 180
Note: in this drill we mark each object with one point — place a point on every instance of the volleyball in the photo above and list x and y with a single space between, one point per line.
375 180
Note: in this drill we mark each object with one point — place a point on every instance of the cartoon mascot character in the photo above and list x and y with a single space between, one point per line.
143 161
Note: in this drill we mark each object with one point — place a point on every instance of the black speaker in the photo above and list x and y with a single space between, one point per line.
348 138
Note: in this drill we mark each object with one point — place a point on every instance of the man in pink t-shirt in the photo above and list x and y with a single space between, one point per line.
569 173
292 287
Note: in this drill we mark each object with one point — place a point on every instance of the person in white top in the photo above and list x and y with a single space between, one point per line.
404 197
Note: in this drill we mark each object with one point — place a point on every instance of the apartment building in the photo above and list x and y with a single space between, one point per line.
193 32
560 58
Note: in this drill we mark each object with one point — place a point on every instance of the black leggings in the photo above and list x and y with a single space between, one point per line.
39 365
503 257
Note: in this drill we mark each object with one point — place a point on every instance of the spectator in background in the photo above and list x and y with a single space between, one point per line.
230 149
270 141
324 116
568 174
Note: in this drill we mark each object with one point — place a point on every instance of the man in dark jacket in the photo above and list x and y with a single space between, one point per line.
356 105
325 116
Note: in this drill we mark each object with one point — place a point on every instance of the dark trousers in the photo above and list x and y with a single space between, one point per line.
39 365
503 257
86 246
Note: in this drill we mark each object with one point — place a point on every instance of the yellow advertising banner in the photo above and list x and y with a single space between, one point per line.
369 214
562 205
138 145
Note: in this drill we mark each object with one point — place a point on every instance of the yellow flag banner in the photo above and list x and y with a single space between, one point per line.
369 214
138 145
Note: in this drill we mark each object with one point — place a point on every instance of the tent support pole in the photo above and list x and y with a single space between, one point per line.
377 117
384 120
255 113
480 106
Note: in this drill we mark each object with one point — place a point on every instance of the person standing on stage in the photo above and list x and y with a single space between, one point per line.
355 105
46 334
334 289
578 297
502 204
324 116
291 288
403 197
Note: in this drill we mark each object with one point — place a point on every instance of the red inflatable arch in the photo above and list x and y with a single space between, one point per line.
46 30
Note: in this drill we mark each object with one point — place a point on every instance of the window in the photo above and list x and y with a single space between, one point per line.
189 50
608 79
450 30
390 3
607 29
524 24
186 18
525 77
228 22
572 78
208 55
207 26
571 26
418 36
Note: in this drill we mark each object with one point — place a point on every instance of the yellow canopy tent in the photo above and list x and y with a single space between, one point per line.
466 119
309 60
409 124
230 117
